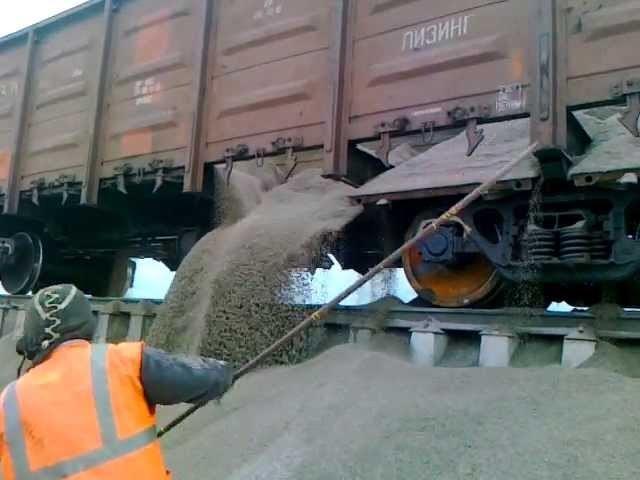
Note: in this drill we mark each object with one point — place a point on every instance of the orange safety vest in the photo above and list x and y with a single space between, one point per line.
81 415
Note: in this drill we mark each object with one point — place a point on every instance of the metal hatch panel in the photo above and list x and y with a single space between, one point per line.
446 165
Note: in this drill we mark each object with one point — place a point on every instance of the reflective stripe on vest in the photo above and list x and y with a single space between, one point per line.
112 448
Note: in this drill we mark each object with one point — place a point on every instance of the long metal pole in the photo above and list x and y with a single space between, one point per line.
320 314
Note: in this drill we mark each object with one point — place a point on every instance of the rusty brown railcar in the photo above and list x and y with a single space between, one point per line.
114 115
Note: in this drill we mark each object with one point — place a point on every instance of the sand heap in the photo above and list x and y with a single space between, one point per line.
356 414
228 298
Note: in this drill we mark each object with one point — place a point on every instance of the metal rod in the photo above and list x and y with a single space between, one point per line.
320 314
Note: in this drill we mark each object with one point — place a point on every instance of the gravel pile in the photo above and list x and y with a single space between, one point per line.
357 414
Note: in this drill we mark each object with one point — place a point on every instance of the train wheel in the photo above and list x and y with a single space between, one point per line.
458 279
20 273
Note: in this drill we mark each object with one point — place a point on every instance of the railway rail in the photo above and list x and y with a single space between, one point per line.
430 334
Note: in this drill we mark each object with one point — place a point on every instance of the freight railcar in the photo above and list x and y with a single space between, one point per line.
114 116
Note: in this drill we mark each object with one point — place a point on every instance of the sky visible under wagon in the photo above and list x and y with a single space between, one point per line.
18 14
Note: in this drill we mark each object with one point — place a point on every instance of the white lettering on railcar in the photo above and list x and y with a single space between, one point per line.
270 9
9 89
144 90
510 98
427 111
435 33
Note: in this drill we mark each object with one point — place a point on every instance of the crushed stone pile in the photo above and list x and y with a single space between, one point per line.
623 360
229 297
356 414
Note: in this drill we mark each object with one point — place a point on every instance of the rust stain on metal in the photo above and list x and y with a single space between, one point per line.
5 161
139 142
159 17
518 63
152 42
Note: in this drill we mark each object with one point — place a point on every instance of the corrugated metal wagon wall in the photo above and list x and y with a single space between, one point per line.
118 86
107 88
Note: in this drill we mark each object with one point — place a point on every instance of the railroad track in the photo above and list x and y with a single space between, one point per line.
492 337
623 325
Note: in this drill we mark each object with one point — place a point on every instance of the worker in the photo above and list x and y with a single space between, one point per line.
87 411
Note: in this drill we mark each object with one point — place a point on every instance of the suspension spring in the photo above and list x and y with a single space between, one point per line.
541 244
575 244
600 249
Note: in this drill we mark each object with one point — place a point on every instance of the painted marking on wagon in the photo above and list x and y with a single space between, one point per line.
435 33
510 98
427 111
9 89
270 9
145 89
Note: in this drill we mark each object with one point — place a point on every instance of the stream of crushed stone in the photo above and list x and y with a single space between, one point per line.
231 296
